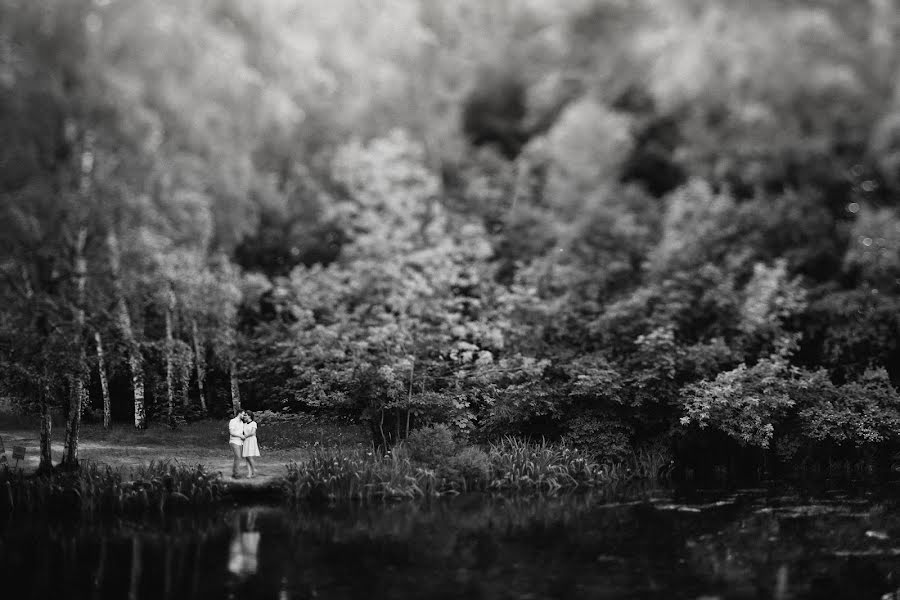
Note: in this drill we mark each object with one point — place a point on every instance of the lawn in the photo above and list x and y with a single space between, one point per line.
200 442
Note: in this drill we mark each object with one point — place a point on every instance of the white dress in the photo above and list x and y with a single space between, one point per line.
251 447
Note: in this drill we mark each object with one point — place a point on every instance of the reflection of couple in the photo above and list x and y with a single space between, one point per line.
243 553
242 437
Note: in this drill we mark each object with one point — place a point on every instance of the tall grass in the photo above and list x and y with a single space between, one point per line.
509 465
338 474
517 464
160 486
650 463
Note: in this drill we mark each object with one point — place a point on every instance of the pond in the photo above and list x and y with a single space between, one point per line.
626 543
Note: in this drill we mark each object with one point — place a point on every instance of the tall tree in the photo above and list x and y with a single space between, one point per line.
123 321
77 389
104 380
170 353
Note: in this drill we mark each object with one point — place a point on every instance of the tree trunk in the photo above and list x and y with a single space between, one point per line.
123 320
412 370
199 363
184 378
170 350
104 382
46 456
46 464
235 390
76 398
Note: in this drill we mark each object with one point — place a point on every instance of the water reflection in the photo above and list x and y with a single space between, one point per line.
628 543
244 550
135 579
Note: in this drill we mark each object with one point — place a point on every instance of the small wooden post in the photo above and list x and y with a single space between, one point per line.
18 454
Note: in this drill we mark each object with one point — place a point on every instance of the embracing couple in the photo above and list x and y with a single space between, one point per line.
242 438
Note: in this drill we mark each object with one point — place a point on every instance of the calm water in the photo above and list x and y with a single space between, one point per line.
645 543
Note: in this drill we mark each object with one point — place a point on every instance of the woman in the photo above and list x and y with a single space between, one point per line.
251 448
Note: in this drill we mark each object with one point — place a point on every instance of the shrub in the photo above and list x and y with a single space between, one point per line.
432 445
469 469
746 403
602 436
866 411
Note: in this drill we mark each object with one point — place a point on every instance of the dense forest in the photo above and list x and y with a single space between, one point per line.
627 225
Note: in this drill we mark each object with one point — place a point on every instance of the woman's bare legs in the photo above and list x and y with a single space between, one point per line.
251 466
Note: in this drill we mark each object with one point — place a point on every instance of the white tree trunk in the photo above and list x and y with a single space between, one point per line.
104 382
199 363
123 320
77 393
170 350
235 390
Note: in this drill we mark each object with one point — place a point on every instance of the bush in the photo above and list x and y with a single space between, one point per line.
866 411
747 403
604 437
469 469
432 445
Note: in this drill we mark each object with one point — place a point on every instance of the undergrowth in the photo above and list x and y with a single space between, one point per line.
509 465
161 486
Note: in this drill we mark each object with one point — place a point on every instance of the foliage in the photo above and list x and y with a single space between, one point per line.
161 486
861 412
581 220
650 462
469 469
601 435
341 474
431 445
745 402
523 465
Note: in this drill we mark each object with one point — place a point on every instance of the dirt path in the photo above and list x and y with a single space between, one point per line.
127 457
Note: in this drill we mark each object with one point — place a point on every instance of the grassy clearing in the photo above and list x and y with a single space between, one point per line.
299 432
200 442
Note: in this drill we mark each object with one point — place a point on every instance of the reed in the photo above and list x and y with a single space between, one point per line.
518 464
338 474
161 486
511 464
650 463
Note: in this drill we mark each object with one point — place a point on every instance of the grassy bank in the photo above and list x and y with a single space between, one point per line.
326 475
159 469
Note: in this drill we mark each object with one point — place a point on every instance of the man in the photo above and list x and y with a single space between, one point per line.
236 440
